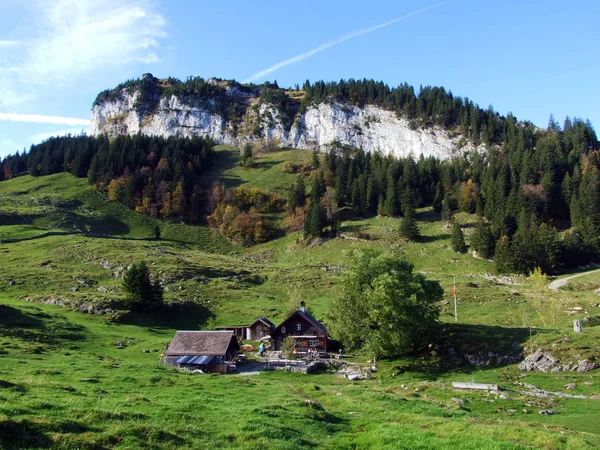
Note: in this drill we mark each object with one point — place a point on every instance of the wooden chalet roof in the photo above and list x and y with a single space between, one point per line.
264 321
306 317
201 343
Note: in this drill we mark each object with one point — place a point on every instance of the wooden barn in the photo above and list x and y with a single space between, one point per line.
306 331
257 330
209 351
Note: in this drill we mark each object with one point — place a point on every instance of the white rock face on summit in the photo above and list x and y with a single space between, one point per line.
370 128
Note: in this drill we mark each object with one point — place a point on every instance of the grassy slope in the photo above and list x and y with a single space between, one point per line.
238 285
75 388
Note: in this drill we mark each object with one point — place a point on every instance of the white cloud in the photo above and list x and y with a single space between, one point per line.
8 43
38 118
74 39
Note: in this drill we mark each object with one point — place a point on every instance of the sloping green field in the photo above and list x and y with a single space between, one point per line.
64 384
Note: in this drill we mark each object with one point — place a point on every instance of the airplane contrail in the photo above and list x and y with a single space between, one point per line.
38 118
337 41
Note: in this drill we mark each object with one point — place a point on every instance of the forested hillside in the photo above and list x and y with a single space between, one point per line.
153 175
537 191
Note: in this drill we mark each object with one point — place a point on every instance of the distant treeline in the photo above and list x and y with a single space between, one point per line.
154 175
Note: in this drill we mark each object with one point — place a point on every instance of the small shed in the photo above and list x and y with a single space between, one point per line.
239 330
259 329
209 351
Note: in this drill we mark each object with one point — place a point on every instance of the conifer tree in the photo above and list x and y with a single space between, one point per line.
142 294
409 229
298 194
458 238
503 256
483 241
446 209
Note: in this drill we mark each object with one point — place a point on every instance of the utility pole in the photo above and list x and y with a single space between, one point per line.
455 302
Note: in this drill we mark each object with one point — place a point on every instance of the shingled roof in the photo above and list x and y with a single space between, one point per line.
201 343
264 321
306 317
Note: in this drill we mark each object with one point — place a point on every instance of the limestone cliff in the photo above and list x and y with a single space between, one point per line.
249 117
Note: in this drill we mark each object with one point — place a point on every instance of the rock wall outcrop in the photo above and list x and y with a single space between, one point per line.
371 128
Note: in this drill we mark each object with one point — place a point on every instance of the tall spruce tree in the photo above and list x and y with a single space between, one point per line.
298 194
458 238
483 241
142 293
409 229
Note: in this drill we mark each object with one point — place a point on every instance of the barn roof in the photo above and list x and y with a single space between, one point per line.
305 316
263 320
201 343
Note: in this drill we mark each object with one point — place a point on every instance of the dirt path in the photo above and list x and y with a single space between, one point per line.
557 284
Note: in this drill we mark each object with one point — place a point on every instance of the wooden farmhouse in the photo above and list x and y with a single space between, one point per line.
257 330
209 351
306 332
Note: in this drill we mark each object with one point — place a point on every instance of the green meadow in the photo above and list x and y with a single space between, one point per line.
64 384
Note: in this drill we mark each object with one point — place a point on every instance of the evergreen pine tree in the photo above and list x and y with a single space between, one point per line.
141 294
446 209
298 194
315 222
503 257
483 241
315 160
458 239
409 229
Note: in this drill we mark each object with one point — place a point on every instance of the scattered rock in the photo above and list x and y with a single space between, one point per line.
458 401
570 386
102 289
545 412
512 411
585 366
539 360
503 396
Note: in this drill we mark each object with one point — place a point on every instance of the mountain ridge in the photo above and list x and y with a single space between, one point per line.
230 113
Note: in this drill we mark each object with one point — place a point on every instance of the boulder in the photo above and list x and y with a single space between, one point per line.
539 360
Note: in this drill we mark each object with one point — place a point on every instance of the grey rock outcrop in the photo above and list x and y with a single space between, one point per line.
371 128
543 361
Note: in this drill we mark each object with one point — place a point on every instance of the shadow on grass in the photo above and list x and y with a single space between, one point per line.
181 316
437 237
223 160
427 216
461 343
15 318
265 165
22 434
38 326
105 225
18 219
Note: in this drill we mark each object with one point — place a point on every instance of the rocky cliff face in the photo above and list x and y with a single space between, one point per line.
370 128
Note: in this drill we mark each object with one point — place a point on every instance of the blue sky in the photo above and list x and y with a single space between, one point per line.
531 57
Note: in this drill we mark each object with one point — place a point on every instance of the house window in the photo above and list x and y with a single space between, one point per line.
313 342
298 326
